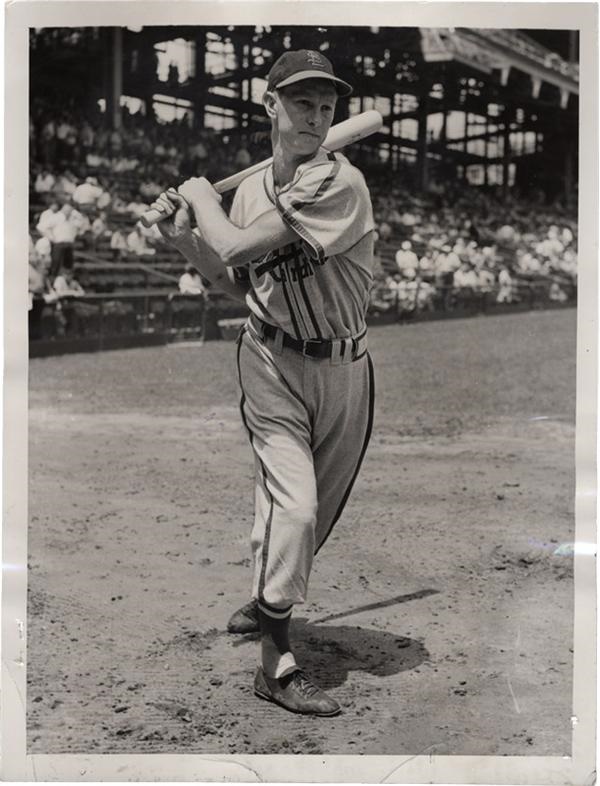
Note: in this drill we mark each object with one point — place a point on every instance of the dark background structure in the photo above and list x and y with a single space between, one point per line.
506 82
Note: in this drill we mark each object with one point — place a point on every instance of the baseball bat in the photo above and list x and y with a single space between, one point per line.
340 135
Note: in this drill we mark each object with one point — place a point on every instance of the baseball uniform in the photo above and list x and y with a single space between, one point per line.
305 374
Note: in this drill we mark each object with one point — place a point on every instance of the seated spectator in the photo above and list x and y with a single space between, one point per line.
190 282
81 222
44 182
86 194
98 230
384 231
94 160
243 158
486 280
119 205
87 137
137 207
406 259
505 286
65 288
150 189
48 219
43 252
65 284
37 289
118 244
65 186
556 294
136 243
62 236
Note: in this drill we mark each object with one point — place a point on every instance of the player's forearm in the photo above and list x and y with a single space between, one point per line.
220 233
210 265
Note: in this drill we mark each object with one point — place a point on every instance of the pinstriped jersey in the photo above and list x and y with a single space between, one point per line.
318 286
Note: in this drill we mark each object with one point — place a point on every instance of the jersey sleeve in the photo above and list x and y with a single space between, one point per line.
328 207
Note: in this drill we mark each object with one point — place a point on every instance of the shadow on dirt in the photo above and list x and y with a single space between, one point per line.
330 652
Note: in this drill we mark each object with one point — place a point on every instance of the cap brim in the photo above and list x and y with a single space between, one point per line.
342 88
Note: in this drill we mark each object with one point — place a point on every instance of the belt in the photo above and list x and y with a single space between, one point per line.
319 347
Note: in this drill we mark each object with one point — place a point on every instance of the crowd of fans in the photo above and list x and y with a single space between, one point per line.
461 243
89 186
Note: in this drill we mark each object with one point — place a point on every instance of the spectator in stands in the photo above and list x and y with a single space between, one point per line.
137 207
44 182
136 243
87 193
65 133
48 142
66 183
99 230
190 282
505 286
150 189
43 253
465 283
87 138
37 288
62 236
556 294
47 220
66 285
118 244
65 288
406 259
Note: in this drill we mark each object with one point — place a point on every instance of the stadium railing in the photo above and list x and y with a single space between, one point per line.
107 321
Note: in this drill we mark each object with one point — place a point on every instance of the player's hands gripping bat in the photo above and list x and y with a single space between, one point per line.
340 135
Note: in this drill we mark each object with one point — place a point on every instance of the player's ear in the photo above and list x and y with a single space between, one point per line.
270 104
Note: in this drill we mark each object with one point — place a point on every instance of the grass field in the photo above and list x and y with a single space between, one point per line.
440 613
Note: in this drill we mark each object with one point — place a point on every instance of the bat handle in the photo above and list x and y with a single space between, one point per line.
151 217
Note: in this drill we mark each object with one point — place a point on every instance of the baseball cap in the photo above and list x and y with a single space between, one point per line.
297 65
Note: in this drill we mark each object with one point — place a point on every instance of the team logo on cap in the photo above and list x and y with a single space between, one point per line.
315 59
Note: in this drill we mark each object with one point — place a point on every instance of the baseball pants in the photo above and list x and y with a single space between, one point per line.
309 422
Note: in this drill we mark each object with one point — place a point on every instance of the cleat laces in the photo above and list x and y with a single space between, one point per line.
303 683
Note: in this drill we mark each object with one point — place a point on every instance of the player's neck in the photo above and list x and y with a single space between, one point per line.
285 165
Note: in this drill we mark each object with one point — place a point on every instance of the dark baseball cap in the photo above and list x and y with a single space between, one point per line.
295 66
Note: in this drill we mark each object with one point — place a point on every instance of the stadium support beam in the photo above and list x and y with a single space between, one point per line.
506 154
117 76
422 111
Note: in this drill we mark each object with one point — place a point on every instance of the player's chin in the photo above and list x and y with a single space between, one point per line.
309 143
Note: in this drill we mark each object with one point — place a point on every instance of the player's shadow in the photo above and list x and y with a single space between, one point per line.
330 652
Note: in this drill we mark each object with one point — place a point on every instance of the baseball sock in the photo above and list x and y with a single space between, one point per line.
276 655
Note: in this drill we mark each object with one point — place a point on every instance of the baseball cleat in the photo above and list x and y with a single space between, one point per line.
296 693
245 620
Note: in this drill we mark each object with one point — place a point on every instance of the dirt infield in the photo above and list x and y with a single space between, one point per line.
440 612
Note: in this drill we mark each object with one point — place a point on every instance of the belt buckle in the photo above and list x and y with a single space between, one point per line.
305 346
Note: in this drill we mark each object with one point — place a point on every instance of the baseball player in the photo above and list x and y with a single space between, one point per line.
298 249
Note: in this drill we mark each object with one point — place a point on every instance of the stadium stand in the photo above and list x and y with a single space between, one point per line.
461 227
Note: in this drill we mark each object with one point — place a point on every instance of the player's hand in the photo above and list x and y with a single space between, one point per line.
198 191
177 224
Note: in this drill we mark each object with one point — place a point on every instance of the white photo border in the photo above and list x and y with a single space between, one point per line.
20 15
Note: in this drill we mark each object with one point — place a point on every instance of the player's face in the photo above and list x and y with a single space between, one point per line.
304 115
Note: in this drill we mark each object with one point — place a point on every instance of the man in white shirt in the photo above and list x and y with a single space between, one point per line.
43 252
137 208
86 194
136 243
406 259
65 285
190 282
62 236
48 218
44 182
